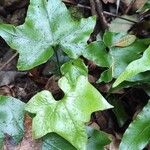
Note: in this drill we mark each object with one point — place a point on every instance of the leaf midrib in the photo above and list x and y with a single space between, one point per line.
69 114
45 8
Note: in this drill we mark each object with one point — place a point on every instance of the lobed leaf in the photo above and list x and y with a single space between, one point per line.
44 30
67 116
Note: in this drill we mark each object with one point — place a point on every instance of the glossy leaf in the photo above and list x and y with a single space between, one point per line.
135 67
110 38
44 30
96 52
137 135
118 110
53 141
106 76
11 118
73 69
67 116
121 56
96 141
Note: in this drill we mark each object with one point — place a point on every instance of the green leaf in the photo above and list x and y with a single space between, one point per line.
53 141
137 135
106 76
110 38
146 41
11 118
118 110
135 67
76 12
122 56
67 116
73 69
44 30
96 141
53 65
96 52
118 39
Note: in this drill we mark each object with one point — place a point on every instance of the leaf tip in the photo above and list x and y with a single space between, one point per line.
116 83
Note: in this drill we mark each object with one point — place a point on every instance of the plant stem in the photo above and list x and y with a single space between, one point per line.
57 58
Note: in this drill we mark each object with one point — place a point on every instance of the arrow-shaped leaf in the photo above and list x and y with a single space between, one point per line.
48 25
67 116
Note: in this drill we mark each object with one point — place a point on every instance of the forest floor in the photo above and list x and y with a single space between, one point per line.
24 85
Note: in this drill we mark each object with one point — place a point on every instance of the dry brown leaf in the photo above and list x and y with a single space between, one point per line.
114 145
7 90
52 85
28 143
139 4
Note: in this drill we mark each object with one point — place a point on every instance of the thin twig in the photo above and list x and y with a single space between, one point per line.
93 11
5 64
110 14
101 17
105 12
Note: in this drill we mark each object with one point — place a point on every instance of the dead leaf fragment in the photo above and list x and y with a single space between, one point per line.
125 41
7 77
7 91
